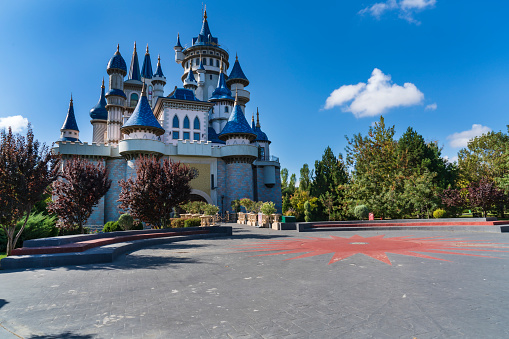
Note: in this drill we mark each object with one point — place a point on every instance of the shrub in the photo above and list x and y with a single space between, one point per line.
126 222
307 211
38 226
268 208
193 222
177 223
439 213
290 212
194 207
235 204
361 212
210 209
112 226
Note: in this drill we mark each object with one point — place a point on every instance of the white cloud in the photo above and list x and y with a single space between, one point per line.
16 122
451 159
375 97
431 107
405 8
461 139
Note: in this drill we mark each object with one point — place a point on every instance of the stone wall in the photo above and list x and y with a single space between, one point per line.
117 169
239 182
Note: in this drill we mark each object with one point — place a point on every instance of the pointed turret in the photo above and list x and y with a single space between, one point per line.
143 118
237 75
146 68
134 70
159 70
237 126
178 45
260 135
222 92
99 112
69 130
205 37
190 81
117 63
159 80
179 56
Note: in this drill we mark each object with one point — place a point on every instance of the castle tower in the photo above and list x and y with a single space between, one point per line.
69 130
146 68
261 141
190 81
239 171
179 56
133 84
201 79
237 81
223 102
142 124
99 116
158 81
115 96
212 55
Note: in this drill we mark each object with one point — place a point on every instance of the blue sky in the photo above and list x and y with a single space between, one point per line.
447 62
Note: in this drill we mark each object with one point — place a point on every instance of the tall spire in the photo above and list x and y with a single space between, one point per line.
205 13
69 130
178 41
146 68
159 70
257 118
99 112
134 71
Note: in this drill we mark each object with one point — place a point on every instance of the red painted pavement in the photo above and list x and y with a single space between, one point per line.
88 244
375 247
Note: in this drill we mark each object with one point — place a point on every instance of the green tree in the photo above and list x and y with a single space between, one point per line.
377 180
284 178
305 178
485 157
420 195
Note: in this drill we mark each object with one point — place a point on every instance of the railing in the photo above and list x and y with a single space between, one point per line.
268 158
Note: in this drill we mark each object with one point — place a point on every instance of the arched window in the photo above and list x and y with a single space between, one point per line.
226 109
217 63
204 61
150 92
134 100
196 123
186 122
176 122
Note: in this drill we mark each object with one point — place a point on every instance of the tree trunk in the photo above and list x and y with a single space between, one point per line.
10 235
22 228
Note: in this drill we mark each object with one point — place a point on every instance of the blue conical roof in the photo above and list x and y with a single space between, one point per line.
178 41
201 65
260 135
237 124
213 137
134 70
70 119
143 116
99 112
222 92
205 37
117 62
146 68
237 75
159 70
190 76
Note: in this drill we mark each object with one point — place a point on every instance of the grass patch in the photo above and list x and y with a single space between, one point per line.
2 255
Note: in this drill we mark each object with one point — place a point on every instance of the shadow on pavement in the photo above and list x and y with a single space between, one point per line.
66 335
3 302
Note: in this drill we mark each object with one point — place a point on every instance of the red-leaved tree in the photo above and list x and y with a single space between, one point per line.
81 186
27 168
486 195
158 187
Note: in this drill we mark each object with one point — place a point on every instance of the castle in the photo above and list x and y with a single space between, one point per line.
202 125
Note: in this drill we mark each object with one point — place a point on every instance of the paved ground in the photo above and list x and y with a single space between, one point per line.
207 288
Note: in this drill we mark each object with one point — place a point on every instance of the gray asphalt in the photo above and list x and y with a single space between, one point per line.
209 289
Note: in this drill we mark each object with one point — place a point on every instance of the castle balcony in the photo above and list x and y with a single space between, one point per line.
243 95
140 146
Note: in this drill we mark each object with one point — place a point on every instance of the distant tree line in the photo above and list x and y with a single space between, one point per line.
401 178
